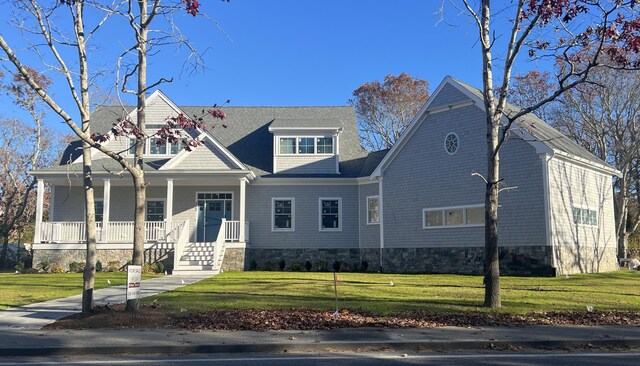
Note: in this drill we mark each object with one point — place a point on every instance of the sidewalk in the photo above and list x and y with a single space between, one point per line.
152 341
36 316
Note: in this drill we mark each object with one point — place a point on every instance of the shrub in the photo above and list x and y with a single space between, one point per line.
76 267
282 264
269 266
253 265
113 266
308 265
98 266
55 268
148 268
296 267
322 266
364 265
44 265
336 266
31 271
20 267
159 267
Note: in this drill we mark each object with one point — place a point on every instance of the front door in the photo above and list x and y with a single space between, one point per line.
212 207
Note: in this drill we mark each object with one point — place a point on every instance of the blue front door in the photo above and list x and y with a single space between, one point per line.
210 214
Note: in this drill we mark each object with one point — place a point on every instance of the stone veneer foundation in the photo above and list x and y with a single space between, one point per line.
63 257
514 260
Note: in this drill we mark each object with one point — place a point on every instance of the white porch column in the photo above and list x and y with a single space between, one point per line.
243 182
106 207
169 213
39 210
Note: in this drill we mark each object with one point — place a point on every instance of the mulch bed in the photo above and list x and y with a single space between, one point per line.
153 316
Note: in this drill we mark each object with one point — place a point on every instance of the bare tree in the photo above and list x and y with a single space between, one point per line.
553 29
385 109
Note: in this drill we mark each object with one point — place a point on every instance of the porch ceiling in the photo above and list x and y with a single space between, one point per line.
179 179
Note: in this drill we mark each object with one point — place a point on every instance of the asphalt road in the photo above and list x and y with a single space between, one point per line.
346 359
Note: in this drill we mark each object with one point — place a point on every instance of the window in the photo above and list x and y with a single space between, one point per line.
325 145
283 214
330 219
155 210
373 210
305 145
453 217
214 196
132 145
99 207
287 145
584 216
176 146
451 143
154 149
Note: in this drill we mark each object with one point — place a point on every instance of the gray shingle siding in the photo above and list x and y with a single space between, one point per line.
447 96
205 157
423 175
312 164
307 216
369 234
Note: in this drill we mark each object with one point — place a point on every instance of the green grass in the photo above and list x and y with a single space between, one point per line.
22 289
374 293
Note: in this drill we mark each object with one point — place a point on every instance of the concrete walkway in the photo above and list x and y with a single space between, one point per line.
36 316
154 341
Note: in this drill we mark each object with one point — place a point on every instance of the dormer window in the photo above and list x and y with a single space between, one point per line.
154 149
305 145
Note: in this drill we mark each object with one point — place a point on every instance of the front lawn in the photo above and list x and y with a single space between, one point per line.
374 293
22 289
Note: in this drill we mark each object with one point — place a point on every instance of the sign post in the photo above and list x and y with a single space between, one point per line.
134 277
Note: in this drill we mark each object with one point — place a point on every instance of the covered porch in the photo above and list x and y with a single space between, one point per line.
213 206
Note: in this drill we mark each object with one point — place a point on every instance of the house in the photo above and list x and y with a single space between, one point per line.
293 184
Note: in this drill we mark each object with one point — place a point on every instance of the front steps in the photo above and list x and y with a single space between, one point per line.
198 258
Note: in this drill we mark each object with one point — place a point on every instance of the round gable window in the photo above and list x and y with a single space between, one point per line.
451 143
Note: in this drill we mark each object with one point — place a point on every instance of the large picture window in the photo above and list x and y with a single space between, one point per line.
373 210
330 214
446 217
155 210
283 210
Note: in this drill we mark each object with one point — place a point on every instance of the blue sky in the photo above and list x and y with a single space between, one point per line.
296 52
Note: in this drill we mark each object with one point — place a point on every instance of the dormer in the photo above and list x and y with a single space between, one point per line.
305 146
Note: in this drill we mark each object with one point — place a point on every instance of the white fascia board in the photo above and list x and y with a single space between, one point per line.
305 181
417 121
588 164
304 129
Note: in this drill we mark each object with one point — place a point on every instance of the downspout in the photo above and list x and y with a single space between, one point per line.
381 213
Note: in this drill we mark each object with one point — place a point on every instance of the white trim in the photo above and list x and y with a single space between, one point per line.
305 181
100 246
340 213
444 225
377 197
547 197
169 203
106 202
457 143
242 209
39 209
273 214
584 163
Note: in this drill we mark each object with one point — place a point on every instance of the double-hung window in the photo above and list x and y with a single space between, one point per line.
155 210
330 214
99 207
373 210
283 210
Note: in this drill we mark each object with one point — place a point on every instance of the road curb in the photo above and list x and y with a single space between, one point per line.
319 346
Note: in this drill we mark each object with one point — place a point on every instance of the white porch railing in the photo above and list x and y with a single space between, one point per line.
232 231
113 232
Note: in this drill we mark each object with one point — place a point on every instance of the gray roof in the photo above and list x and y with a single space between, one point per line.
245 133
542 131
306 123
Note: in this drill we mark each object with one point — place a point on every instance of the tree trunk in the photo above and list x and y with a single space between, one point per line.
4 252
137 172
622 212
88 276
